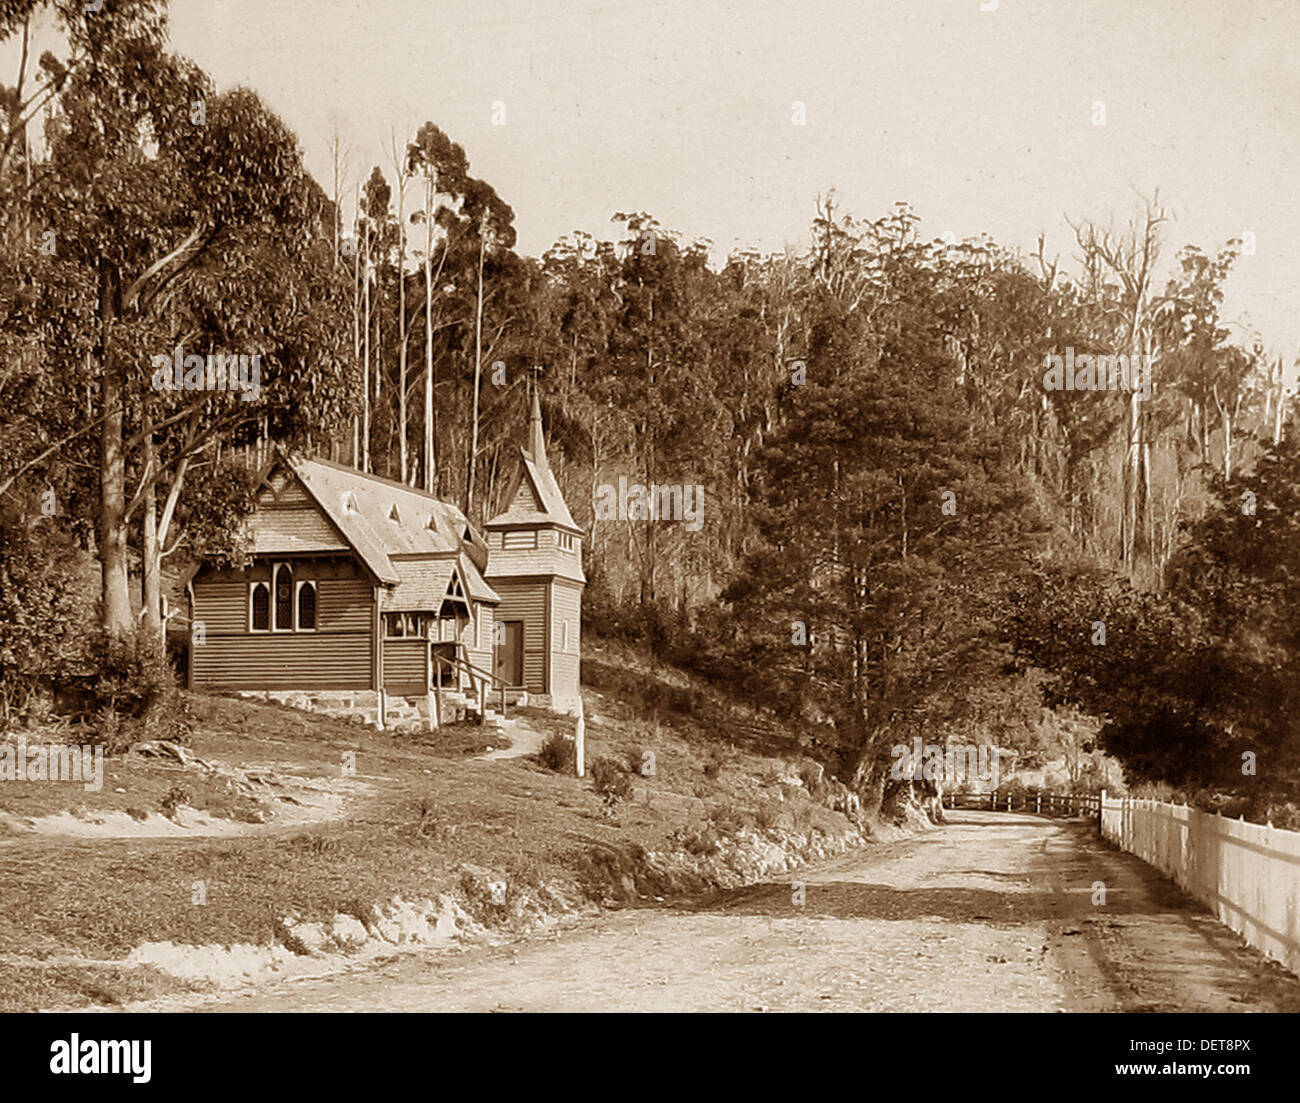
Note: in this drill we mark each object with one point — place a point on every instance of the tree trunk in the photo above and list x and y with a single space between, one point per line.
356 336
116 598
428 336
401 324
365 410
150 552
478 375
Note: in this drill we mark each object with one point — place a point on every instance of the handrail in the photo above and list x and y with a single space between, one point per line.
469 666
458 663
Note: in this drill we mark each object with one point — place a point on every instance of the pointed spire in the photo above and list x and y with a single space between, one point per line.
536 445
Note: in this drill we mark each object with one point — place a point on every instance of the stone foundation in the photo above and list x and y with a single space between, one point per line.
399 713
359 704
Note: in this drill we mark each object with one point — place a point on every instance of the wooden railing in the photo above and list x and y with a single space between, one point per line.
1041 804
479 680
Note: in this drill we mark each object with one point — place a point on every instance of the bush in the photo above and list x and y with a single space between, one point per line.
558 753
713 766
768 815
46 605
611 781
803 817
813 777
134 696
108 731
726 819
703 842
173 799
425 819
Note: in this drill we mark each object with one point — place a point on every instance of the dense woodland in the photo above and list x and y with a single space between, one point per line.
904 532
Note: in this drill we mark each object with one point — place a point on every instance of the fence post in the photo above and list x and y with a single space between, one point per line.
993 793
580 741
1008 802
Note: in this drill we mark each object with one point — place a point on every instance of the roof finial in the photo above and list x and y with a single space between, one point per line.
536 444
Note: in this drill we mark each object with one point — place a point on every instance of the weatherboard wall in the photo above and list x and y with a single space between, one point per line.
527 600
566 608
335 656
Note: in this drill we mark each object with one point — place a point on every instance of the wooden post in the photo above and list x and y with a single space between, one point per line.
1008 802
580 742
437 691
993 795
428 685
482 702
1038 804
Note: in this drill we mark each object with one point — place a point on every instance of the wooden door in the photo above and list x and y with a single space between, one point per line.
510 653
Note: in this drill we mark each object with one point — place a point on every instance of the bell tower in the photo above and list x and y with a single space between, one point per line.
535 565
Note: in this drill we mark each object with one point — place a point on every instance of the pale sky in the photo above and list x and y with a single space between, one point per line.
983 121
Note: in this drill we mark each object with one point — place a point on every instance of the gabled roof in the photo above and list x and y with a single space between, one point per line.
408 539
544 504
379 517
427 583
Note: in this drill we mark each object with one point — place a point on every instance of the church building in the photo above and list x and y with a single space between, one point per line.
363 596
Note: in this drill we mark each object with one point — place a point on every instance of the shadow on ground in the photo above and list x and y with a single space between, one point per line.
857 900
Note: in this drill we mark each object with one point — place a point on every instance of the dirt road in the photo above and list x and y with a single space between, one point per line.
995 912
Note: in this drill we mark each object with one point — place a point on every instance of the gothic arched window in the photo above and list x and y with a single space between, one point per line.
306 606
283 598
260 607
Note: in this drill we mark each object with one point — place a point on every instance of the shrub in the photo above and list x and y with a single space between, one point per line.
425 816
46 604
768 815
558 753
726 819
107 730
173 799
713 766
703 842
813 777
133 695
611 781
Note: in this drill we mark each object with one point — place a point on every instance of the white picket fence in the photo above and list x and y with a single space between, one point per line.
1247 874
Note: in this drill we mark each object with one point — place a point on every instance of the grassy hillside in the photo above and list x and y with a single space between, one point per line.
286 833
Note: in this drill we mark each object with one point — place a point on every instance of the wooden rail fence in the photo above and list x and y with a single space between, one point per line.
1042 804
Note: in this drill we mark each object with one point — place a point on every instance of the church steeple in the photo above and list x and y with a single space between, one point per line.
536 445
535 566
